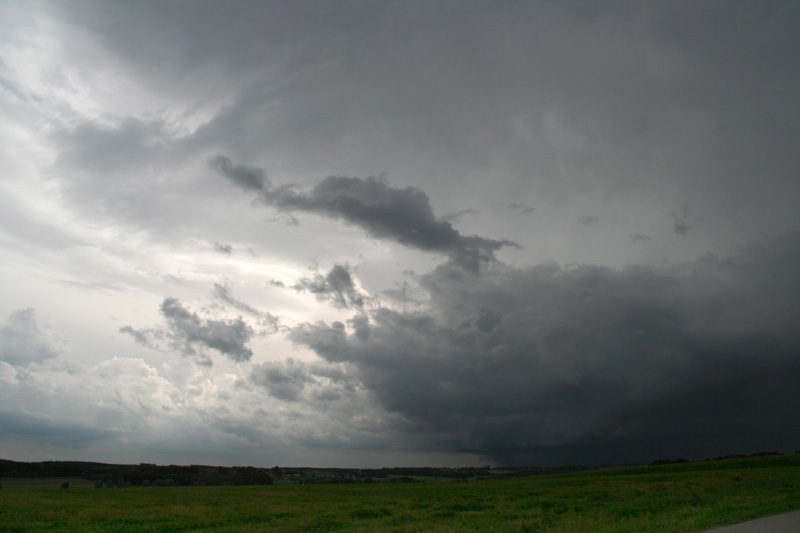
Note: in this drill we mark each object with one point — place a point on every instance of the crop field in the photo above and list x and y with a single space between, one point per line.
680 497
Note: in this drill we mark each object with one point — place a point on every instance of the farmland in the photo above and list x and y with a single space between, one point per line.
674 497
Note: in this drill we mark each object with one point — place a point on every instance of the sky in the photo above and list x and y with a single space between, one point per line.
391 233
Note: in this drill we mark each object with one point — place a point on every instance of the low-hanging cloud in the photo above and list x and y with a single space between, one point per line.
589 364
384 212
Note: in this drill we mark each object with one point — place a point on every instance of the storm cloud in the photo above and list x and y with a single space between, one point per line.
548 363
338 199
402 215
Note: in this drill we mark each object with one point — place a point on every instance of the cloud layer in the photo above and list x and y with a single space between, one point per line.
398 233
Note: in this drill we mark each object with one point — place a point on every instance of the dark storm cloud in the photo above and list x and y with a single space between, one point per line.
22 341
384 212
193 335
590 364
336 286
402 215
248 178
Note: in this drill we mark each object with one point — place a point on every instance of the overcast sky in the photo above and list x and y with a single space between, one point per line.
399 232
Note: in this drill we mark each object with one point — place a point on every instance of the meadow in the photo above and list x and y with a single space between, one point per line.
677 497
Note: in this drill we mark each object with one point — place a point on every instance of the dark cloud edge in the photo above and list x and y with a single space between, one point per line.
403 215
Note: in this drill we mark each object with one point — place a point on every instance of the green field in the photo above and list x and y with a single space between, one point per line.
681 497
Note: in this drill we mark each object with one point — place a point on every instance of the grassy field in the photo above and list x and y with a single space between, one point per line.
684 497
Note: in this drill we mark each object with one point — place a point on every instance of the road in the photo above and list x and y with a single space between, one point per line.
782 523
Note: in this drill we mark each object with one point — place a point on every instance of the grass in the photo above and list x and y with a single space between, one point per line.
686 497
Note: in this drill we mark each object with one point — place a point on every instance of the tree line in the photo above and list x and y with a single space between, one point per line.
143 474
